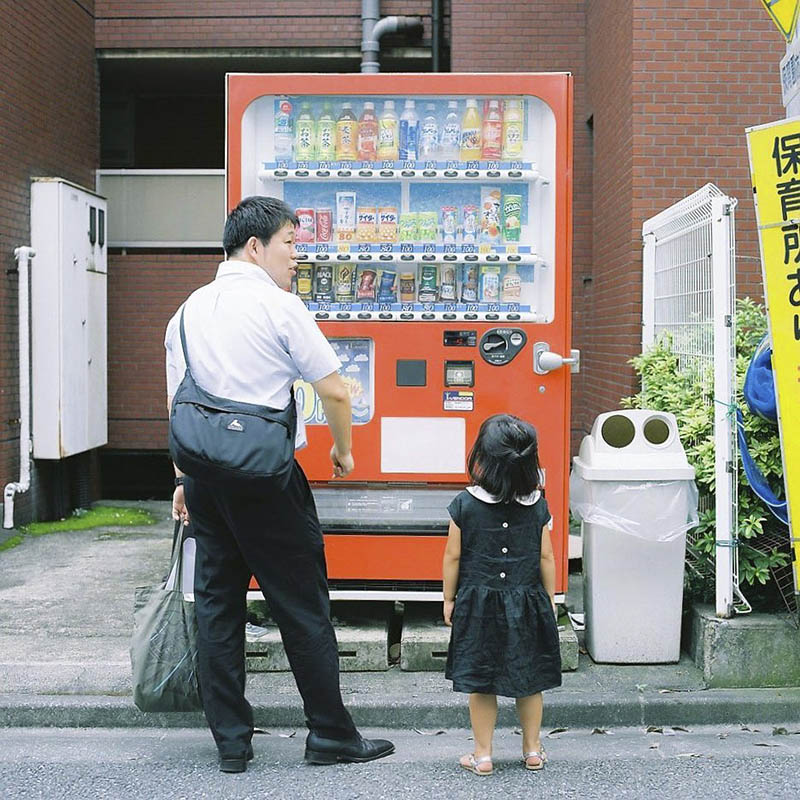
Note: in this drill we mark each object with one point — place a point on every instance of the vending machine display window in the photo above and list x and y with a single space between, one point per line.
357 372
425 207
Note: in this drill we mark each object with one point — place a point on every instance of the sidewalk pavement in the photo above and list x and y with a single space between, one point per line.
66 617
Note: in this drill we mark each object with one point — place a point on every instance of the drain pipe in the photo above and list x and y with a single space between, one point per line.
373 28
23 256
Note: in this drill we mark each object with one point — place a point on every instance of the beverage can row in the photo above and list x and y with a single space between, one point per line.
467 283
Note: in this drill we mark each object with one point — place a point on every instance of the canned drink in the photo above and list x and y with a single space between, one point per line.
387 224
323 283
367 224
429 284
387 287
344 285
469 224
490 283
324 224
306 225
409 229
447 288
490 214
512 217
345 216
449 224
304 282
365 292
408 287
469 283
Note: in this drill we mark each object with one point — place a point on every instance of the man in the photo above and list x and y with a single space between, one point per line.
248 340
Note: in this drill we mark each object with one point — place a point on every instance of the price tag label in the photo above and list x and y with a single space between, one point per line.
428 247
322 247
364 247
484 248
343 247
386 247
406 247
512 249
301 247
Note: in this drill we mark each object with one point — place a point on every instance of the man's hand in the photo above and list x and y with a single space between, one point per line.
179 510
342 464
447 612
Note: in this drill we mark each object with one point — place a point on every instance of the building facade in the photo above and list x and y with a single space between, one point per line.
663 93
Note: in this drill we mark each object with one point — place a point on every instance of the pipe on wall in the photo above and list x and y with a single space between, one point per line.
373 28
23 256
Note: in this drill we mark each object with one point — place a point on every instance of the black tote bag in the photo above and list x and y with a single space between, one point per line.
164 644
224 441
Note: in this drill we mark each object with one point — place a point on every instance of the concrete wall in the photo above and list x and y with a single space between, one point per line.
48 126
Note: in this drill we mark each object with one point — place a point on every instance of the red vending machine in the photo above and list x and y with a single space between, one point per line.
434 250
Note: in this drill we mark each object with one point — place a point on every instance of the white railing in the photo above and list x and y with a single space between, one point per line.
164 207
689 293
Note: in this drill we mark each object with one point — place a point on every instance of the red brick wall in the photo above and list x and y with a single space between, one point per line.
541 37
48 126
612 301
144 290
247 23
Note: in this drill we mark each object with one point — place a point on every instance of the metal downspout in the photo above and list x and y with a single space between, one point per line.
373 28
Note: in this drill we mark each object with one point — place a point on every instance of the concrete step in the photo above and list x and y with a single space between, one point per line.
362 648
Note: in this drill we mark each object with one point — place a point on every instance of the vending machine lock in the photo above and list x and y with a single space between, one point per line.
499 346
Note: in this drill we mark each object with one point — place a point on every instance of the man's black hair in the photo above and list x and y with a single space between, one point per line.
257 216
505 457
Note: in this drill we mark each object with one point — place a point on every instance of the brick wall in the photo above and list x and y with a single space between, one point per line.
144 290
48 126
541 37
248 23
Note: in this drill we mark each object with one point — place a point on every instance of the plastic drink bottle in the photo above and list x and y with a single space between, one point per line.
326 135
429 135
512 130
471 132
388 133
304 134
368 134
409 132
346 134
451 132
492 144
282 130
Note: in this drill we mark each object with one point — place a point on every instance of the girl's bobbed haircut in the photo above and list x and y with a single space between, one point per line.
505 457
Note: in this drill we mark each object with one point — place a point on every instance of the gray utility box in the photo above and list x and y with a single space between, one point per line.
634 492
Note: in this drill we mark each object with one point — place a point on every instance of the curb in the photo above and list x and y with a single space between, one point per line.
562 709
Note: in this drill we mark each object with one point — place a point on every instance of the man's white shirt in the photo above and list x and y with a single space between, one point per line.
248 340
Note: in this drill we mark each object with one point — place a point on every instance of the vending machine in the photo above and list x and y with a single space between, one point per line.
433 248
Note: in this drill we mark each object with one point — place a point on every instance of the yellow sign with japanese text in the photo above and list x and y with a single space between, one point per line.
775 170
784 15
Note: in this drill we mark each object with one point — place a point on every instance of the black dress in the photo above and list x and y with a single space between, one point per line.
504 638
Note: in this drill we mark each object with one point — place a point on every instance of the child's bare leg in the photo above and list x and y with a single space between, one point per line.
483 716
529 710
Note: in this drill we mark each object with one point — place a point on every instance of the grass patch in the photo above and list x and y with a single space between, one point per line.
98 517
12 541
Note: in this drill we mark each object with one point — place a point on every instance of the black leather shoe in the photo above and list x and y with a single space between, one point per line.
320 750
236 763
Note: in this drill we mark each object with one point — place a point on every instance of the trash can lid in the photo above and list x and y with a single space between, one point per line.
633 445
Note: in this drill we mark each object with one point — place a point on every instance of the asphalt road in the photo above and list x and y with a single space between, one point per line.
127 764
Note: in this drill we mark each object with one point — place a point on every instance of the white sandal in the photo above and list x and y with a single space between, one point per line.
540 754
473 763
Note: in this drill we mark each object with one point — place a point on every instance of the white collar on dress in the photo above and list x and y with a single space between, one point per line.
479 493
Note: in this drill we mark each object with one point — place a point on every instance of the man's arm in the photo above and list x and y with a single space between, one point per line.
336 402
179 510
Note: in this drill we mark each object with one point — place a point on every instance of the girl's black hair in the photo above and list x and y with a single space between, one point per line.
505 457
257 216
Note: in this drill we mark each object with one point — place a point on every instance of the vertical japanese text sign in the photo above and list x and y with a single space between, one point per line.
775 170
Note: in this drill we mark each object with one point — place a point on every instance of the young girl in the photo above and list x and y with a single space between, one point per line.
499 585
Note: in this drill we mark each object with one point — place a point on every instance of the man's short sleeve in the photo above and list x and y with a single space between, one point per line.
310 350
175 363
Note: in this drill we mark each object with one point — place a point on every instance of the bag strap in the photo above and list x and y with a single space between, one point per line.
183 342
758 483
176 561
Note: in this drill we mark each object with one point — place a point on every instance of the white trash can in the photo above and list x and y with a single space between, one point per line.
634 492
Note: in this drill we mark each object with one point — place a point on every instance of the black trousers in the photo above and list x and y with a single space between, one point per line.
276 537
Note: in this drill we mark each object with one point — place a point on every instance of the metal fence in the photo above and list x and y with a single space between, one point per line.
689 296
